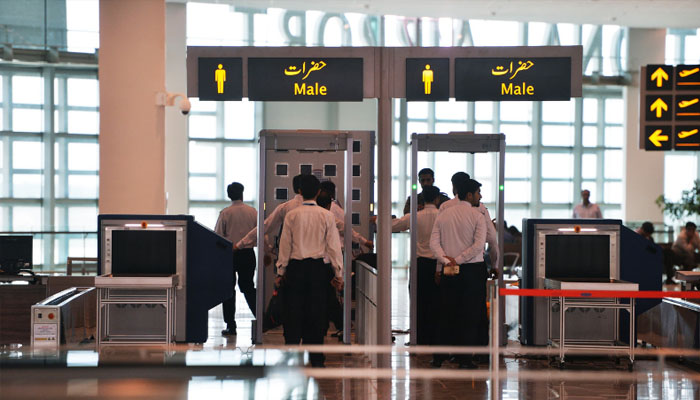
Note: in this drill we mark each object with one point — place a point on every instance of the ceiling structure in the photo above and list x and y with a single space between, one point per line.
631 13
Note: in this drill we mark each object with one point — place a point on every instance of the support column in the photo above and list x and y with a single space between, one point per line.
132 127
644 170
176 138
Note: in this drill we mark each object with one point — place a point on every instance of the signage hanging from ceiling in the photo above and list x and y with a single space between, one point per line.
220 78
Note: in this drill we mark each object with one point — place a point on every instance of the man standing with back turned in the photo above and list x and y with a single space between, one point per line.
309 234
234 222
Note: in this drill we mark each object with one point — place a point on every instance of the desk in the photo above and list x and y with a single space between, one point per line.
604 303
689 277
135 299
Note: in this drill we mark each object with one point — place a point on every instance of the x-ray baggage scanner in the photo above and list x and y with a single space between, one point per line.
456 142
344 157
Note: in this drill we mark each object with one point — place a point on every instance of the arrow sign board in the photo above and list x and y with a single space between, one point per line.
670 107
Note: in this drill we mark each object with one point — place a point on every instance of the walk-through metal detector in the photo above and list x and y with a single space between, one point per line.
456 142
280 146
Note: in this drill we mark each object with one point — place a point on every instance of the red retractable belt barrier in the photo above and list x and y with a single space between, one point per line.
643 294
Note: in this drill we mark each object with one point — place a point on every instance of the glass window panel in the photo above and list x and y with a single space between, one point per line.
202 126
2 117
83 186
514 216
516 111
214 24
692 49
614 136
239 119
484 128
614 111
517 165
423 161
590 110
590 136
82 21
609 33
82 247
82 219
671 41
395 194
446 164
495 33
613 160
558 111
83 156
397 131
203 157
202 188
83 122
206 216
446 127
675 183
558 135
82 92
556 213
483 165
395 161
417 109
487 192
612 192
201 106
26 185
536 34
27 89
517 135
241 165
27 155
451 110
483 110
556 165
612 213
516 192
1 80
557 191
397 108
568 34
26 219
445 26
416 127
27 120
589 166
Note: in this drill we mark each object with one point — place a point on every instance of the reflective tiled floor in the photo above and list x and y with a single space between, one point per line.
230 368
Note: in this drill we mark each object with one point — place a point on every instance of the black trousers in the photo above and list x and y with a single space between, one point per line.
427 302
244 267
334 308
305 307
463 319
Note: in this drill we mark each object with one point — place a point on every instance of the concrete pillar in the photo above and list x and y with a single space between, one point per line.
132 126
644 170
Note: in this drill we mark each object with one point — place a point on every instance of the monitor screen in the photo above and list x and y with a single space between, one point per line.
577 256
15 253
144 252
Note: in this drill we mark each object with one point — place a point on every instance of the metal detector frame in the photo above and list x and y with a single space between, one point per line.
456 142
305 140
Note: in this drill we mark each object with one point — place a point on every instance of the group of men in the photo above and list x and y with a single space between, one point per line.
309 264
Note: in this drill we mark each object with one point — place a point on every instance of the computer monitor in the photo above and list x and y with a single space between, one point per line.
585 257
15 253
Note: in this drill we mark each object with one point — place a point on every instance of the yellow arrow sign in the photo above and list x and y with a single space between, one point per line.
659 106
659 76
656 138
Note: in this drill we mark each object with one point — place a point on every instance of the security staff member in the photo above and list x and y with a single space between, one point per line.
233 223
309 234
427 289
426 177
457 239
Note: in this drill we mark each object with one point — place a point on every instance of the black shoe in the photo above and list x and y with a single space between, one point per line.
468 365
229 332
435 363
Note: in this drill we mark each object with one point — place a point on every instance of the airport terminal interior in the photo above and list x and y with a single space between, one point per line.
127 126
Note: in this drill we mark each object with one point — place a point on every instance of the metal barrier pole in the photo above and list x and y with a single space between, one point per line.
494 359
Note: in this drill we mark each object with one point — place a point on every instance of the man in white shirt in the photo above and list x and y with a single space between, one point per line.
427 289
233 223
457 240
309 234
587 209
491 233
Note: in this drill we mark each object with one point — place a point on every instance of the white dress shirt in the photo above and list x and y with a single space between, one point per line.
310 232
272 223
590 211
459 232
236 220
491 232
425 219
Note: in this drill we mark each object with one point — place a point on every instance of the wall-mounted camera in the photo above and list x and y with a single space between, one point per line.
168 99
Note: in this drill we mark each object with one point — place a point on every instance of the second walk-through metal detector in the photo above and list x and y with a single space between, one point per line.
456 142
306 141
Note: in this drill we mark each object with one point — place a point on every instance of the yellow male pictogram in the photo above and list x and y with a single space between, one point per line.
220 78
428 78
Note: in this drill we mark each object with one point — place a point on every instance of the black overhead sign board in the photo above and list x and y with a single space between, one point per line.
220 78
670 107
513 79
427 79
305 79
